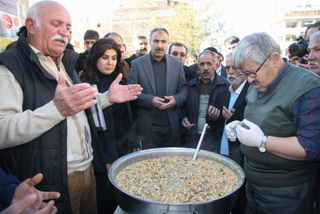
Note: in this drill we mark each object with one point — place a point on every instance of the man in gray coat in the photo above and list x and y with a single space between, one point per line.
164 91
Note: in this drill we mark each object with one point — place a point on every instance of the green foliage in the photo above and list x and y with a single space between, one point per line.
191 26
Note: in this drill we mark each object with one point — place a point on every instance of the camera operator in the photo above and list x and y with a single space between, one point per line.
298 60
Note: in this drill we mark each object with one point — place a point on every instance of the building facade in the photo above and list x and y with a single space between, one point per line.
294 23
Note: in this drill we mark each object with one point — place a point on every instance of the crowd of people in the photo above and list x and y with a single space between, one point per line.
259 109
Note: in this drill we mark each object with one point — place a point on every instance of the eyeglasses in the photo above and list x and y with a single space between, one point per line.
175 53
254 74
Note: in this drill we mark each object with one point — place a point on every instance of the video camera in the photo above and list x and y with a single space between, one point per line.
299 48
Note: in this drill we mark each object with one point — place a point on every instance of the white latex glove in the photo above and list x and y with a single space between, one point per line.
250 136
231 130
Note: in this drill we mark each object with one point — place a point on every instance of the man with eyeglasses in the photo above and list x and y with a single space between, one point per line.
229 106
180 51
90 37
280 133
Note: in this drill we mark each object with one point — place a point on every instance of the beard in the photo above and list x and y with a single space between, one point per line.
236 81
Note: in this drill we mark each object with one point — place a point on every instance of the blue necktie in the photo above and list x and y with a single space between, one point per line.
224 149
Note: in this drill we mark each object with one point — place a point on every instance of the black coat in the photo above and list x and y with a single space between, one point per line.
117 140
81 61
189 73
217 126
47 153
190 109
223 71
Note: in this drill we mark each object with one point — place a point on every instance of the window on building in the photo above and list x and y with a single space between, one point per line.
291 24
306 22
280 39
290 38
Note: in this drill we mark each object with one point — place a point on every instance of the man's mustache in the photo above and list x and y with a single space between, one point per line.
206 72
254 82
159 49
143 49
232 76
313 63
60 37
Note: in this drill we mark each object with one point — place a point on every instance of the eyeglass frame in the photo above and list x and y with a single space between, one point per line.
254 74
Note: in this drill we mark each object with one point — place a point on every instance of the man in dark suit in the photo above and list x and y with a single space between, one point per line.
180 51
229 106
164 92
202 92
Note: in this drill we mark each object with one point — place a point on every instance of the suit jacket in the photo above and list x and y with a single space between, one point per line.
189 74
223 71
190 109
141 72
217 126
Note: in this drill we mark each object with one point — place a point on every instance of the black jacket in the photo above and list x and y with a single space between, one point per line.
217 126
132 57
189 73
47 153
81 60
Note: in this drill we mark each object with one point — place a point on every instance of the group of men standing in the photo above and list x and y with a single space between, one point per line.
47 126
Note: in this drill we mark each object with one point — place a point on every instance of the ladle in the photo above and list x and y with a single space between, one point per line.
200 141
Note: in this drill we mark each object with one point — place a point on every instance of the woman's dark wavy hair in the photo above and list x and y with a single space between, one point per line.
98 49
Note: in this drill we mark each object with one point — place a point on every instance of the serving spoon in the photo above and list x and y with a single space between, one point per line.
200 141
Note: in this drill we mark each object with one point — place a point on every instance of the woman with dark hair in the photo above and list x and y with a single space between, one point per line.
120 138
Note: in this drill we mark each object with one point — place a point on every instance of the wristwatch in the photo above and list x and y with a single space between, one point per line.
263 144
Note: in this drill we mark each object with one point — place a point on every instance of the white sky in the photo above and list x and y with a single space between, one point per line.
243 16
249 16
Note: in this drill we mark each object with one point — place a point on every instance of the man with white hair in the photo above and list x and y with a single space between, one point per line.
44 127
280 132
314 53
229 106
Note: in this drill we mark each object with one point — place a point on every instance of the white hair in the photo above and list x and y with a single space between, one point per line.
214 56
34 11
315 36
255 47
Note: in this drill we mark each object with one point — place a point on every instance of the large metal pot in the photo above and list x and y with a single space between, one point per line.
133 204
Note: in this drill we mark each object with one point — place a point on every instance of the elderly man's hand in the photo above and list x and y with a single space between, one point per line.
186 123
69 101
251 135
121 93
213 112
231 130
29 200
226 113
305 66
